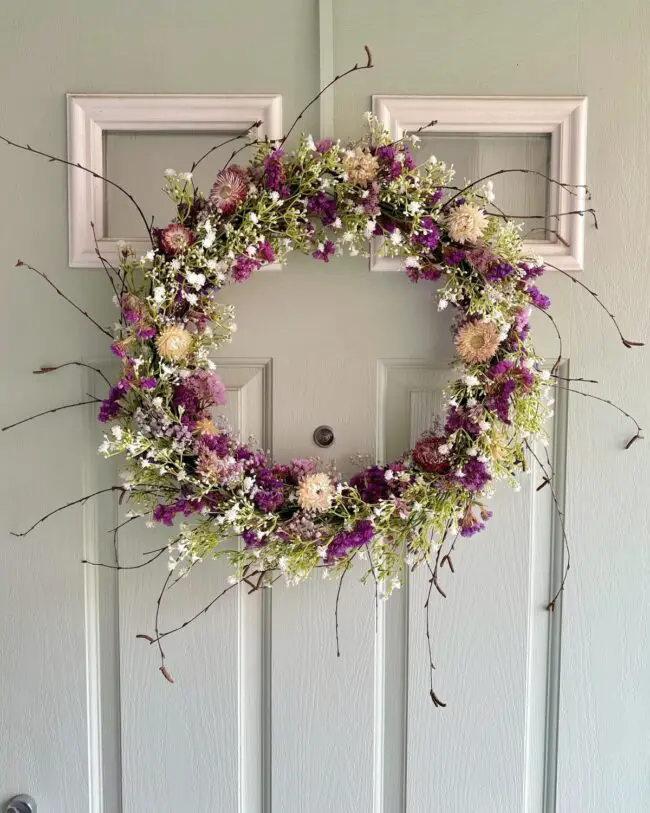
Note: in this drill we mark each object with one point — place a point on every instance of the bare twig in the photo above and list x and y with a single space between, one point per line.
109 268
639 430
20 263
125 567
243 134
337 78
549 475
80 501
57 160
336 606
579 282
558 360
49 412
53 369
572 189
427 609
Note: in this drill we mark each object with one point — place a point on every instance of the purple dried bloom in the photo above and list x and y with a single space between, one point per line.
148 383
324 145
300 467
475 475
243 267
321 206
453 256
430 237
435 198
145 332
274 175
385 153
110 407
372 484
265 252
252 540
531 271
200 390
498 271
220 444
538 299
345 541
118 349
462 418
499 401
324 251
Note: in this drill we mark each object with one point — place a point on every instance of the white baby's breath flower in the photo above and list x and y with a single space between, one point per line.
170 173
117 432
185 176
471 380
442 304
253 217
159 294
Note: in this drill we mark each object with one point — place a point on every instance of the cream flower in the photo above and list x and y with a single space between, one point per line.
477 342
361 167
174 343
315 493
466 223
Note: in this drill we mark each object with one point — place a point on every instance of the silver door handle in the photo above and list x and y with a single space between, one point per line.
22 804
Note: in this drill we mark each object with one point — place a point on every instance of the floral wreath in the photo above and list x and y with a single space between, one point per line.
323 198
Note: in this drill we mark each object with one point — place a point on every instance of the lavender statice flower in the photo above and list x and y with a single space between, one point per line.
346 541
252 540
373 485
465 418
531 271
274 175
219 444
471 524
199 391
430 236
322 206
498 271
166 513
110 407
243 267
538 299
324 251
474 475
499 400
148 383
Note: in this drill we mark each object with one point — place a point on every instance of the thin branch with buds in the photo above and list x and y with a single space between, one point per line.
20 263
576 281
336 606
44 370
639 431
573 189
109 268
356 67
437 702
549 476
243 134
57 160
49 412
80 501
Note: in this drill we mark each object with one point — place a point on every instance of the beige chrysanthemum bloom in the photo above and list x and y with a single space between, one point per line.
466 223
174 343
361 167
315 493
477 342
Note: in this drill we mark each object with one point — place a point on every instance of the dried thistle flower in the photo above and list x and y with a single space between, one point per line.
477 342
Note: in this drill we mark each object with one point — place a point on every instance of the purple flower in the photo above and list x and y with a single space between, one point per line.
322 206
475 475
243 267
430 237
148 383
499 401
265 252
453 256
200 390
530 272
118 349
145 332
111 407
471 524
463 418
324 145
324 251
345 541
498 271
252 540
166 513
274 175
219 444
372 484
385 153
538 299
435 198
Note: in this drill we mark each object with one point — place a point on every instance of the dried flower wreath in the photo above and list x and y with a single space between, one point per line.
323 198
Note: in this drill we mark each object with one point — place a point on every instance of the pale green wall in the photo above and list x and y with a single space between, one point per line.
592 47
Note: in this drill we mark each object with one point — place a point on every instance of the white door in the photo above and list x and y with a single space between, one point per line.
263 715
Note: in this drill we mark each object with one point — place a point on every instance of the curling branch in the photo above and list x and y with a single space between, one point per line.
80 501
243 134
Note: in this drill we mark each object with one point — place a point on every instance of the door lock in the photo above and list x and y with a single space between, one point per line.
22 804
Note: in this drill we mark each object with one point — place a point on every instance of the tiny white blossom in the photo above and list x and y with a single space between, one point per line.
442 304
185 176
370 227
159 294
170 173
117 432
444 448
337 223
388 475
471 380
483 426
149 255
396 237
253 217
